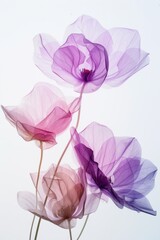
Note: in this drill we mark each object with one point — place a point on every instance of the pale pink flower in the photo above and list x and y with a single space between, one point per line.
67 198
42 115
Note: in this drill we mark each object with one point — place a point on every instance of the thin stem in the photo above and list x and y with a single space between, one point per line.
83 227
37 181
37 230
39 169
31 228
70 232
60 159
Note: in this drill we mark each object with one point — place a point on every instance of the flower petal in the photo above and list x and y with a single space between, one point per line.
76 54
141 205
93 136
92 30
45 47
126 58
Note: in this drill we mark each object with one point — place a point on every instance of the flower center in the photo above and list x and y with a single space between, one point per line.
85 73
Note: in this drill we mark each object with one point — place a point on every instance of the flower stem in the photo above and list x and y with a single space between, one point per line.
37 181
31 228
37 230
60 159
39 169
83 227
70 232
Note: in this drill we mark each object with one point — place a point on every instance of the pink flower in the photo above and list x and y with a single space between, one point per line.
67 199
90 55
42 115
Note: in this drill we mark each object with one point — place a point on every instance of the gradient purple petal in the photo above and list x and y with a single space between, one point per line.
78 55
116 170
122 45
93 136
141 205
92 30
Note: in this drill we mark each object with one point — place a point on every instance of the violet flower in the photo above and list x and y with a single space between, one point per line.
42 115
90 55
67 197
114 167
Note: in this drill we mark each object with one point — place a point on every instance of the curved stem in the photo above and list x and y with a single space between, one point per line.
70 232
60 159
39 169
37 181
31 228
83 227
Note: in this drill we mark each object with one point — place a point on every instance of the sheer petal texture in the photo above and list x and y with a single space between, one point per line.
67 197
42 115
114 167
90 55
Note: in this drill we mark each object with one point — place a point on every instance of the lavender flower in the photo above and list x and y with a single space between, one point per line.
91 55
114 167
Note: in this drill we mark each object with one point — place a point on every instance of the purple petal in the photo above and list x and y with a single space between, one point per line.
126 58
146 178
79 61
66 64
45 47
106 157
127 147
93 136
114 150
92 30
141 205
124 176
96 179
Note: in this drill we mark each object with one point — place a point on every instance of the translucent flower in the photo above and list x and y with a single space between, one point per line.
67 198
90 55
42 115
114 167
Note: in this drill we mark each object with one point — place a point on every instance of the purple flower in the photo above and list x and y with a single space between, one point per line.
67 199
114 167
91 55
42 115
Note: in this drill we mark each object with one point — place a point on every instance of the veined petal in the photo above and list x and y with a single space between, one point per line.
29 133
77 55
126 57
141 205
92 30
117 170
93 55
93 136
122 68
45 47
146 178
57 121
43 114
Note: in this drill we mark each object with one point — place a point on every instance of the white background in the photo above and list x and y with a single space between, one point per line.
133 109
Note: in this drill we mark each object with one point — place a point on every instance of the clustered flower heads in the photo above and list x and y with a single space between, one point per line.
109 167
